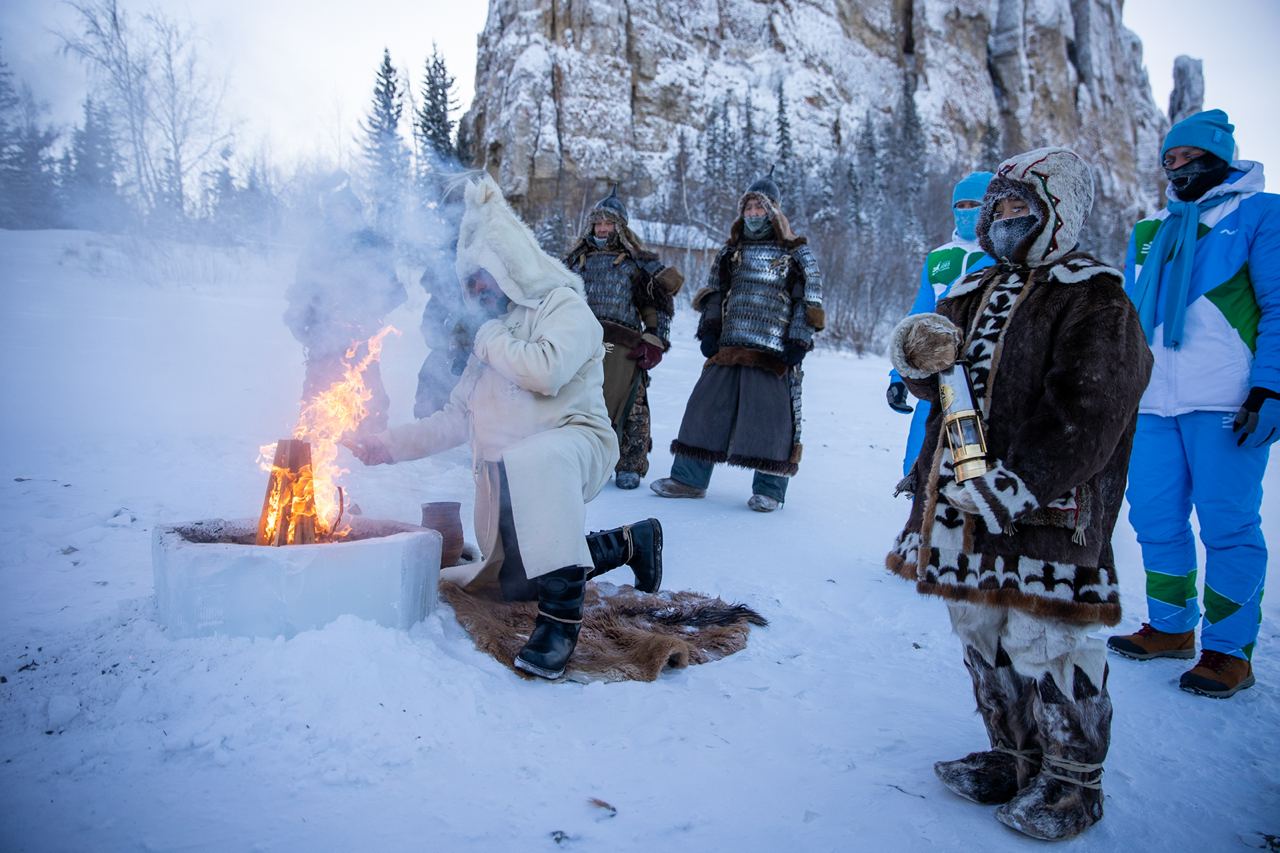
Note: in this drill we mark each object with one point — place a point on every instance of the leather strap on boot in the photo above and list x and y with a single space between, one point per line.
1031 756
1072 772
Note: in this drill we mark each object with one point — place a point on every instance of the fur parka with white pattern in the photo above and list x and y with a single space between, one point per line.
1058 364
1060 388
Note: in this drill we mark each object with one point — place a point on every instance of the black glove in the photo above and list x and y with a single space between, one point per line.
1258 420
896 394
710 345
793 352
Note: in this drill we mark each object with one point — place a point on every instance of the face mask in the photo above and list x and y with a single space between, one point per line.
598 242
1195 178
967 222
756 226
1007 234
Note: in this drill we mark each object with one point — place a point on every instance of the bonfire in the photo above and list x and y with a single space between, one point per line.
304 503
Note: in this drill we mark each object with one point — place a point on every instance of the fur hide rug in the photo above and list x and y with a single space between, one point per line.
626 635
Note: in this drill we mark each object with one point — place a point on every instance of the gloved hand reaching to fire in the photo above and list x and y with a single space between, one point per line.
370 450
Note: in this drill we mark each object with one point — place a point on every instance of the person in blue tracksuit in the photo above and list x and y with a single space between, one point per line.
1205 276
943 267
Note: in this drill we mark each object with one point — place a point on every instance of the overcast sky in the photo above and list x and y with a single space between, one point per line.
300 72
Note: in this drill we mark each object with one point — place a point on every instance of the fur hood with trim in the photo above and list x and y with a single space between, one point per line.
492 237
626 239
1058 187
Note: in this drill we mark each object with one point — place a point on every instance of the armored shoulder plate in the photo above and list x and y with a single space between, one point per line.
607 282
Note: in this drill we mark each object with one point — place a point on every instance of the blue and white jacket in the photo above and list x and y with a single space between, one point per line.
1231 337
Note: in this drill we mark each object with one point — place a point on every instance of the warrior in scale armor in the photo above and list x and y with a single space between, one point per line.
760 310
630 292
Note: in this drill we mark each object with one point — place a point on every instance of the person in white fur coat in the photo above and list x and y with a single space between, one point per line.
530 402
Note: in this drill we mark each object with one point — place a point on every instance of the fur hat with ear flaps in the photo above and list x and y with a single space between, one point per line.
1057 186
491 237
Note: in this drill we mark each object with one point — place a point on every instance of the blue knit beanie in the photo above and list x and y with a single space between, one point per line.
972 188
1209 130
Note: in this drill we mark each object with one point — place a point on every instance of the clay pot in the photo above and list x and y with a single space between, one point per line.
445 517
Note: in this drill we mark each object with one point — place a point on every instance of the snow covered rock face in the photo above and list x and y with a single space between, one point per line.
596 90
210 578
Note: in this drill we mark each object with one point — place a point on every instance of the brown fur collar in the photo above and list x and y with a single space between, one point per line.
1075 268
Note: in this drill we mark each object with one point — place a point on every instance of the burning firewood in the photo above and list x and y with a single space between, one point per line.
304 503
289 509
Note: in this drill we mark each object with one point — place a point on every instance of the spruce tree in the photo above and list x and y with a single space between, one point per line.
28 171
750 144
91 185
386 159
786 153
432 123
9 124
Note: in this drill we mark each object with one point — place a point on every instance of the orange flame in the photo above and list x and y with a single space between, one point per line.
325 420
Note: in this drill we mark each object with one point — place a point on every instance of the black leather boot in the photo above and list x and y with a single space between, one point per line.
555 632
636 545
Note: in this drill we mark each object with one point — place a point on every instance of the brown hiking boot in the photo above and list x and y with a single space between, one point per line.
669 488
1147 643
1217 675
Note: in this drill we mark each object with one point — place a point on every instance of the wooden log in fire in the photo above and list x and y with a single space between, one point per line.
289 509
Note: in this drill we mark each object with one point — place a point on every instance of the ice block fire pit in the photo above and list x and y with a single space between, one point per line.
212 578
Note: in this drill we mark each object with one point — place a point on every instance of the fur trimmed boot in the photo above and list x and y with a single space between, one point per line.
636 545
555 632
1075 732
1003 696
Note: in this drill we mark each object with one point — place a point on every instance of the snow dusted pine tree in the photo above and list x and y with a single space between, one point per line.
432 123
8 145
386 160
750 159
90 185
786 171
28 170
720 152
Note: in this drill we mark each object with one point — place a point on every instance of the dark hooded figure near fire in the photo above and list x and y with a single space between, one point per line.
531 405
1022 553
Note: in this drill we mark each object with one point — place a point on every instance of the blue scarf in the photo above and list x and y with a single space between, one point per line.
1167 270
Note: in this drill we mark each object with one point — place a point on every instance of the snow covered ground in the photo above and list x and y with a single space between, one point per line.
143 382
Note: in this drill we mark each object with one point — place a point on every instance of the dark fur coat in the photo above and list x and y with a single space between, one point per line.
1059 363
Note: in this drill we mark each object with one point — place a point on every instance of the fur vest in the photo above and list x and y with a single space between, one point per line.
1058 363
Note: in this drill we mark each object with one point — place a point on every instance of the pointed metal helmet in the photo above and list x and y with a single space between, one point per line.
612 204
767 187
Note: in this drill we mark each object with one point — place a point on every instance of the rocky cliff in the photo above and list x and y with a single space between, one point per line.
571 94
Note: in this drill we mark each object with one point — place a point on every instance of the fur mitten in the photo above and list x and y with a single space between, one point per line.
924 344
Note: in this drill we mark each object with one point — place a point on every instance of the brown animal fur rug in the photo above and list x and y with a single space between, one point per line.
626 635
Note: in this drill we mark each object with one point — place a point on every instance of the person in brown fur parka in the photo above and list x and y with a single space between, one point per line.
1022 553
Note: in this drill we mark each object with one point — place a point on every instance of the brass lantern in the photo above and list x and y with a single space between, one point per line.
962 423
